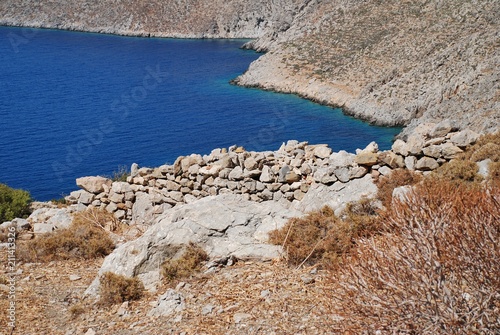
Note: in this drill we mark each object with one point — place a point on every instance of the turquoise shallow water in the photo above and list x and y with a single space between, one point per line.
75 104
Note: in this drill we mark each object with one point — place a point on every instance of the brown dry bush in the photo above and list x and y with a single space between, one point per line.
115 289
398 177
321 237
437 272
488 146
84 238
184 266
459 170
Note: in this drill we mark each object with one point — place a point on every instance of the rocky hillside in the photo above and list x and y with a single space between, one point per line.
171 18
391 62
388 62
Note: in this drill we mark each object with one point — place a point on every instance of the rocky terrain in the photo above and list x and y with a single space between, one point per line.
391 62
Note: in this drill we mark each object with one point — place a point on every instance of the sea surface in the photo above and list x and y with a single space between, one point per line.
76 104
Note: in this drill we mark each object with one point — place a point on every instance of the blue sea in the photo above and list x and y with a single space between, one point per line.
75 104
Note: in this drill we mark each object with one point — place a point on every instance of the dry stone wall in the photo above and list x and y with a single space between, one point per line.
285 175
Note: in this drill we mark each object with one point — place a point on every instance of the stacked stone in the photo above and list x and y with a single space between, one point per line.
282 175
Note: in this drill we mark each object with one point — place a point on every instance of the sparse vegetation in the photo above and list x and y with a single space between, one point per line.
398 177
84 238
115 289
13 203
321 237
435 273
76 310
120 174
185 265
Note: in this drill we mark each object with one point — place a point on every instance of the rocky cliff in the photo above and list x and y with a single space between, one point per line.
171 18
388 62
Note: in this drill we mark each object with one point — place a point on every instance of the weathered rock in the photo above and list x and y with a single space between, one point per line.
400 147
433 151
143 209
43 228
342 158
169 303
357 172
223 225
292 177
450 151
415 144
210 170
343 174
337 195
366 158
250 163
93 184
121 187
441 129
266 175
282 173
411 162
484 167
391 159
322 152
116 197
464 138
236 174
385 171
426 164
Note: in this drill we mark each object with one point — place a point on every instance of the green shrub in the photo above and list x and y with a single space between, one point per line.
13 203
184 266
115 289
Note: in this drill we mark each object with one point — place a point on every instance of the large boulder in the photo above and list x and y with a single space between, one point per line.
93 184
224 225
337 195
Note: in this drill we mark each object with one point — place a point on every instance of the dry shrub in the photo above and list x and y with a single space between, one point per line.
488 146
184 266
115 289
459 170
76 310
321 237
84 238
398 177
436 273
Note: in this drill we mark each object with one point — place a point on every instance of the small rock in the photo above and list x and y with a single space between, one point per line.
292 177
385 170
265 293
123 310
441 129
74 277
307 279
239 317
90 331
366 158
464 138
484 167
426 164
322 152
207 309
400 147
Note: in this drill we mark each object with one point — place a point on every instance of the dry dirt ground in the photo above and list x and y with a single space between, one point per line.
246 298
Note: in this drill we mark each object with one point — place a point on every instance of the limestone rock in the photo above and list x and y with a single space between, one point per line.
441 129
415 144
400 147
366 158
426 164
391 159
450 151
337 195
236 174
93 184
464 138
169 303
143 209
266 176
223 225
322 151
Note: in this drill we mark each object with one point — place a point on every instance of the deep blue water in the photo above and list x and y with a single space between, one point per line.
75 104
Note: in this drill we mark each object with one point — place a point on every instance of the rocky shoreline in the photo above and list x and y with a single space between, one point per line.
387 63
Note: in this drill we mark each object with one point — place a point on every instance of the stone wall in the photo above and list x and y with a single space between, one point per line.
285 175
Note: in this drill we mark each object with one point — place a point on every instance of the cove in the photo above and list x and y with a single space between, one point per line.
75 104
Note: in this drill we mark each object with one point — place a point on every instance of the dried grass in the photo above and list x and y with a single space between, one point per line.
85 238
115 289
435 273
184 266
